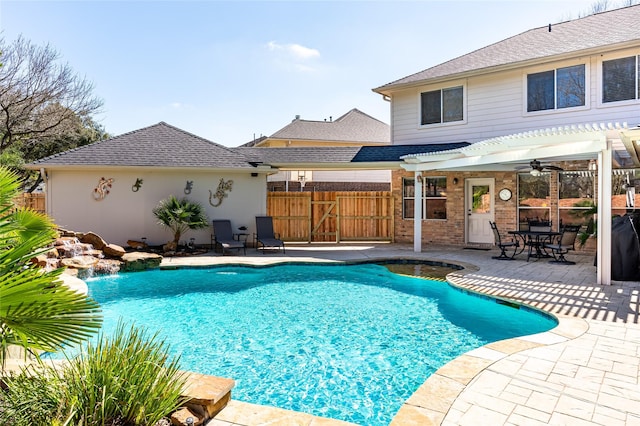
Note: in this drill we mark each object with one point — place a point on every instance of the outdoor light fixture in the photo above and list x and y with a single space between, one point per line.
535 172
455 180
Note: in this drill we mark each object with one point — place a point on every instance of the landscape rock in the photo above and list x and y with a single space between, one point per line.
40 260
139 261
79 262
94 239
137 245
171 246
179 418
113 250
107 266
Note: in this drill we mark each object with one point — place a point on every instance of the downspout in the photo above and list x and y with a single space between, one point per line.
417 213
47 190
603 272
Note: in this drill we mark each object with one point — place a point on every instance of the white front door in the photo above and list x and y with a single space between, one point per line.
479 210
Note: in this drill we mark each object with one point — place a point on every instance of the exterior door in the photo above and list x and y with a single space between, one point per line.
479 209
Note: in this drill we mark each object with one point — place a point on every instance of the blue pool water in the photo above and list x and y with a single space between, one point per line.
347 342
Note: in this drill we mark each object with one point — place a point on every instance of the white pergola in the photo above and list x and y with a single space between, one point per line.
609 144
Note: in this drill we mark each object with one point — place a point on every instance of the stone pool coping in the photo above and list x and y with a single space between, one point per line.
431 402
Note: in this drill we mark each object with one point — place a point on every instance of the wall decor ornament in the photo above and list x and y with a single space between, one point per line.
188 187
103 188
136 186
221 192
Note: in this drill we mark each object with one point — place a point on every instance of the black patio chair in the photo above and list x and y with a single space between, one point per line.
223 237
566 241
265 236
503 245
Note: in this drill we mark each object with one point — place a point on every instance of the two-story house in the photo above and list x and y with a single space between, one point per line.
352 129
527 105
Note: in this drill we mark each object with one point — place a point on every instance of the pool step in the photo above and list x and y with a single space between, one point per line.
207 396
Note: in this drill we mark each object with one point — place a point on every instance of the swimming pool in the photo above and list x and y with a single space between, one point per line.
350 342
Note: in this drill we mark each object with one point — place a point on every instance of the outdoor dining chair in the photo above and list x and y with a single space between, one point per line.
265 236
223 236
504 246
565 242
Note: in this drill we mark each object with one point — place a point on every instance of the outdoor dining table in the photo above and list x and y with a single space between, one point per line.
535 240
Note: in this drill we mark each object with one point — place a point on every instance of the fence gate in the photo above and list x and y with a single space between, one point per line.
332 216
33 200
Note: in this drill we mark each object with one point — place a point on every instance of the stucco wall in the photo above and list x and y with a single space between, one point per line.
124 214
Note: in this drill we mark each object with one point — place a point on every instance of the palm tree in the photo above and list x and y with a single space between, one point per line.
37 311
180 216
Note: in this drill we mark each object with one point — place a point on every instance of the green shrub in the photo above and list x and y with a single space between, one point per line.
127 378
124 380
31 399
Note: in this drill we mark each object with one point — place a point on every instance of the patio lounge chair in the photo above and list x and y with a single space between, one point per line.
565 242
223 236
265 236
503 245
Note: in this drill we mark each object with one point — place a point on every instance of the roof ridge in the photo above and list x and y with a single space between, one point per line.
415 77
357 111
187 133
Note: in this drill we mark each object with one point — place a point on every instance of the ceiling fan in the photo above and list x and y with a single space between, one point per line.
537 167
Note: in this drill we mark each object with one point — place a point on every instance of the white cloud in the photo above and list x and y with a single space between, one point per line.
303 52
296 50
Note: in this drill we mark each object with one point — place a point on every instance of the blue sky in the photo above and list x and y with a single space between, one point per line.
229 71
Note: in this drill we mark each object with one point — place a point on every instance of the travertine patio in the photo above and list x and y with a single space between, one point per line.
583 372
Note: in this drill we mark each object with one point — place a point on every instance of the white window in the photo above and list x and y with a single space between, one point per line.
576 190
620 79
556 89
434 201
442 106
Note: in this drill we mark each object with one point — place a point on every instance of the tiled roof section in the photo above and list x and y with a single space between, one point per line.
160 145
354 126
340 154
395 152
300 155
610 28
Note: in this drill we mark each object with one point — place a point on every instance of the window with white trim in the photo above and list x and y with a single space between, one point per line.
434 198
576 191
556 89
621 79
442 106
533 198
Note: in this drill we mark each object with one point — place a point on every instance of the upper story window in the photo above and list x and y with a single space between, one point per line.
556 89
442 106
620 79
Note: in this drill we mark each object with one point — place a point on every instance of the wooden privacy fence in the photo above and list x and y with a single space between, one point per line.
33 200
332 216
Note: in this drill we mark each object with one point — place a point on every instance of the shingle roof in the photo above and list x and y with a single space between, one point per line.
160 145
340 154
354 126
163 145
611 28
